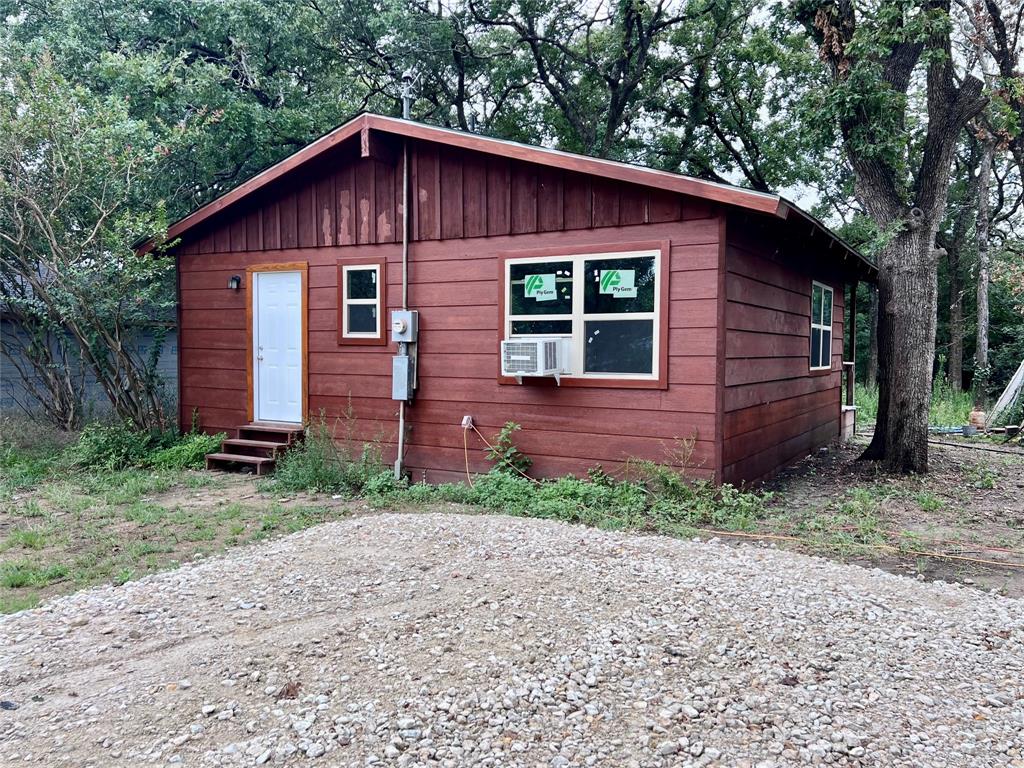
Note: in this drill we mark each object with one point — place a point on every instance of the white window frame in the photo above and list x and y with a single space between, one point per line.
346 301
820 326
578 317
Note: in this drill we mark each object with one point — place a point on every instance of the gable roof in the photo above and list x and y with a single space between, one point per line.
365 124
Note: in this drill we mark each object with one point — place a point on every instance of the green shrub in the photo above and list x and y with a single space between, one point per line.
318 464
188 452
116 446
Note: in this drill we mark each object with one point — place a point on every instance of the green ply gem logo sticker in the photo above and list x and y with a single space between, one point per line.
540 287
620 283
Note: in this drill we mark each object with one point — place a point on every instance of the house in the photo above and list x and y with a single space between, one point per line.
686 309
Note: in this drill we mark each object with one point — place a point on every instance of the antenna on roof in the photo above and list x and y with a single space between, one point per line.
409 78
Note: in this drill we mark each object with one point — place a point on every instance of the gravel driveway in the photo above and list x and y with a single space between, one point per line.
454 640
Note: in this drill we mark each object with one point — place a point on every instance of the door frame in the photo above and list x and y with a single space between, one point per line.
302 267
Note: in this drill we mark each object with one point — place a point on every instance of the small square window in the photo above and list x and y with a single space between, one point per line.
361 295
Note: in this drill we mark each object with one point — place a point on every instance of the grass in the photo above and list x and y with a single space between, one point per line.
25 538
67 530
116 505
949 407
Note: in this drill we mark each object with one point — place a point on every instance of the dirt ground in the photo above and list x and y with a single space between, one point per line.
969 508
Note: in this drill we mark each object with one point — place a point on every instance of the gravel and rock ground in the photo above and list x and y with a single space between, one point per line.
455 640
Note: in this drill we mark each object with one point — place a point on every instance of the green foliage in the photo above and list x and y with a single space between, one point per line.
75 168
188 452
319 464
21 469
24 573
115 446
120 446
656 497
949 407
504 454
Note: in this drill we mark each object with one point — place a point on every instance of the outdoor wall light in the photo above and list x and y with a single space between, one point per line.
234 282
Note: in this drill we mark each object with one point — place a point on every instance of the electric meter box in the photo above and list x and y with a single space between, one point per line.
405 325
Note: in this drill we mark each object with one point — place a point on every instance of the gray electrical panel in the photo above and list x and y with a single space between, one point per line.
403 374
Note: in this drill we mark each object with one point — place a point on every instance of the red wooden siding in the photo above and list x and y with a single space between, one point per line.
775 410
467 209
455 194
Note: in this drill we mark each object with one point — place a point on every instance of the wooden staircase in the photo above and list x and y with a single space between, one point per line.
256 449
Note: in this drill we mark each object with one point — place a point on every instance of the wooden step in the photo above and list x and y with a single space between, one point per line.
260 465
273 433
268 449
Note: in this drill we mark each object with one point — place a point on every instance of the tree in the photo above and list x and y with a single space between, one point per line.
73 168
872 51
41 355
592 62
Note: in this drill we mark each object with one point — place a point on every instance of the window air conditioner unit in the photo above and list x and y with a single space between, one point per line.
534 357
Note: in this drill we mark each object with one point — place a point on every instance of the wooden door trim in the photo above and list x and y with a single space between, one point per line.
302 267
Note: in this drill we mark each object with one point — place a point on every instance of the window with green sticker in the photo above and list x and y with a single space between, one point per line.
821 326
607 304
540 288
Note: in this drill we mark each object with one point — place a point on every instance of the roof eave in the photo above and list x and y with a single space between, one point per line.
364 124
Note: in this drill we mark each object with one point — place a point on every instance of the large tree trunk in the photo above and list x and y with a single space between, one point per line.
907 300
956 321
871 372
981 372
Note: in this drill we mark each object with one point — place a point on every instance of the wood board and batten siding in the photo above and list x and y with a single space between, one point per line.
467 209
775 409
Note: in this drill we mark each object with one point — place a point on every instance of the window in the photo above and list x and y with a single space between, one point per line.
608 304
361 288
821 327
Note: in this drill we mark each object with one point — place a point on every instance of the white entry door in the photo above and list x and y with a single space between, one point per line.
277 346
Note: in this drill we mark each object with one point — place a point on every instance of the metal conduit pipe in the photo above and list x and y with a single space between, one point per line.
407 109
405 290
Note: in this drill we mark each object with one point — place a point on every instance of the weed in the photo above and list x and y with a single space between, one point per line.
144 513
187 453
115 446
30 508
320 464
652 497
26 538
504 453
27 574
929 502
20 470
62 497
982 476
